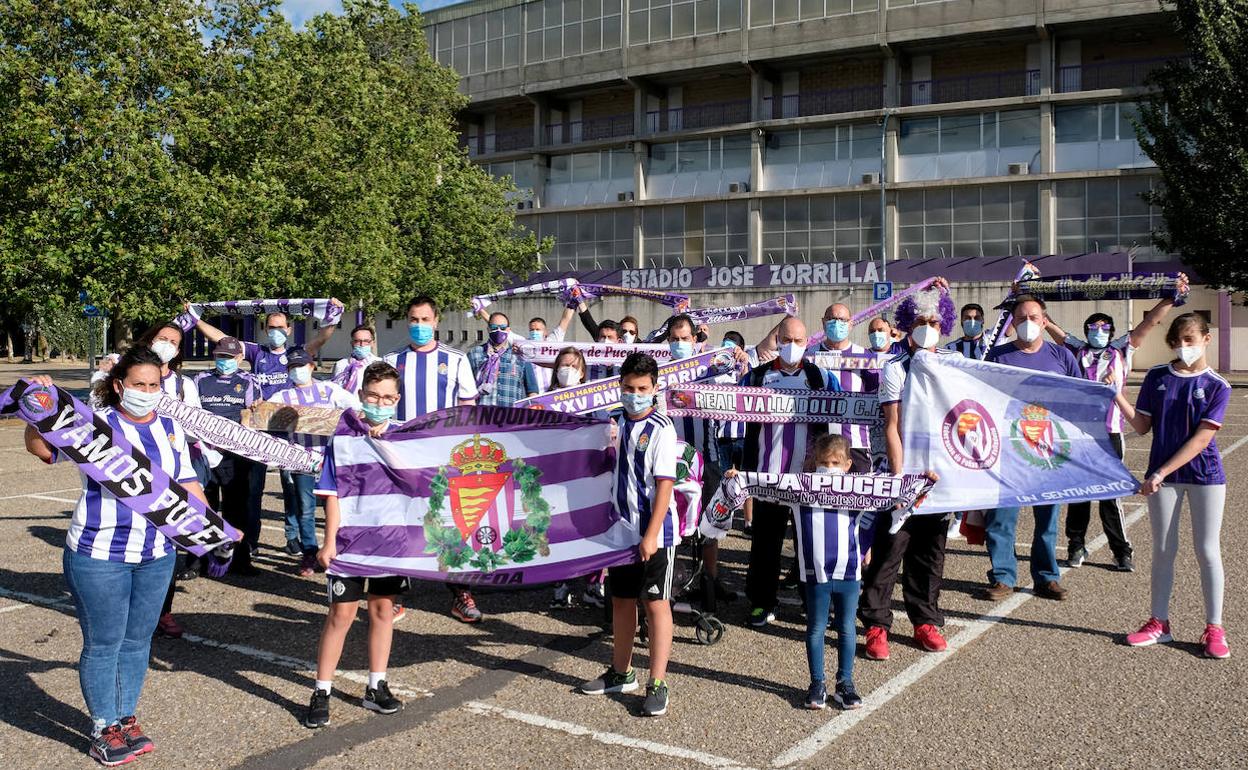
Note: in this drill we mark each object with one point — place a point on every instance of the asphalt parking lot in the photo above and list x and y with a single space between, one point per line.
1025 682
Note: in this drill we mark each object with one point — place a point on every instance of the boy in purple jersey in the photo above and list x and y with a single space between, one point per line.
1183 403
433 376
379 392
1028 351
645 473
1105 358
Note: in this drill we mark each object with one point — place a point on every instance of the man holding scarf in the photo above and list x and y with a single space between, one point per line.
348 372
503 376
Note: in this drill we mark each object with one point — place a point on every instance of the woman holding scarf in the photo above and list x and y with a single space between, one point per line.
117 564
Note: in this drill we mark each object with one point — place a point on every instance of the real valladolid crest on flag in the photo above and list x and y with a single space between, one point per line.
1004 437
478 494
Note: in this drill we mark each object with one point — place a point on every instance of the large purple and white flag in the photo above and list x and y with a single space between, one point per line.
479 494
1003 437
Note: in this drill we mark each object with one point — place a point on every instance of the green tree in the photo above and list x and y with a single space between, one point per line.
1195 128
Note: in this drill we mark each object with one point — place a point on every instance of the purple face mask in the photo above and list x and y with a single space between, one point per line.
498 336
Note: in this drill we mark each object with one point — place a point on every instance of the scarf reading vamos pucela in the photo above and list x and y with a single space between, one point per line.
324 311
604 393
850 491
478 494
1097 286
227 435
785 304
1003 437
768 405
106 457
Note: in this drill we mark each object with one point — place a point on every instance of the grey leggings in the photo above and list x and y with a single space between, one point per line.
1205 503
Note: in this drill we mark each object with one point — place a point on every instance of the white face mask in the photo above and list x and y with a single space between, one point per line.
629 338
166 350
924 336
301 375
791 353
1028 330
139 403
1189 354
832 471
568 375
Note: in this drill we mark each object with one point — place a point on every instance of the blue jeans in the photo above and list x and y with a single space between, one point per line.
118 605
300 509
731 453
842 597
1000 526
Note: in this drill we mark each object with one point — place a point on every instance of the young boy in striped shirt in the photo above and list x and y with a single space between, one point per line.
645 472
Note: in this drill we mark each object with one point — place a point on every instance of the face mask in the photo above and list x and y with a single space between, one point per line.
421 334
1189 354
377 414
166 350
568 375
361 351
878 340
1028 331
277 338
681 350
535 335
924 336
636 403
139 403
226 365
498 336
831 471
301 375
1098 338
971 327
791 353
629 338
727 344
836 329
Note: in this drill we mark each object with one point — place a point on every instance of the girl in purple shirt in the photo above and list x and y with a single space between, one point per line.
1183 402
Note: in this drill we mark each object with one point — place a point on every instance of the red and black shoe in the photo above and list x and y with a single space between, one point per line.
110 749
464 607
139 743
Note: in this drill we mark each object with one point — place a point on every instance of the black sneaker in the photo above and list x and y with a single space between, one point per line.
611 681
110 749
1076 556
294 548
760 617
139 743
846 696
318 710
380 700
816 696
1124 563
655 704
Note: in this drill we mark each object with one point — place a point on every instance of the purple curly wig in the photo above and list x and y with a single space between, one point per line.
925 304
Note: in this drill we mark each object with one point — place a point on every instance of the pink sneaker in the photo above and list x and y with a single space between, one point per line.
1214 641
1152 632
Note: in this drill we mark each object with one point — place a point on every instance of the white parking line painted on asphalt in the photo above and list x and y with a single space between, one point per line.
55 499
840 724
15 607
285 661
610 739
48 492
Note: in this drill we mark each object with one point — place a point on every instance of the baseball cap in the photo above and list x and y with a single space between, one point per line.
297 357
227 346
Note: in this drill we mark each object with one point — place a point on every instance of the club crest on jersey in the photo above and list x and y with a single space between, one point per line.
498 515
443 368
1039 438
643 442
970 436
1199 393
238 388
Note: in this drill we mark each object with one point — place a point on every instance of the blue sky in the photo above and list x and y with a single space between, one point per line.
299 11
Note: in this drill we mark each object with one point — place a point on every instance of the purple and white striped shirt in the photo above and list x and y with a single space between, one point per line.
851 381
429 381
782 446
830 543
645 454
105 528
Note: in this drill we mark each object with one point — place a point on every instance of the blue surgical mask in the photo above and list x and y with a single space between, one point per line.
1098 338
277 338
636 403
727 344
681 349
139 403
878 340
301 375
421 334
971 327
836 329
361 351
377 414
535 335
226 366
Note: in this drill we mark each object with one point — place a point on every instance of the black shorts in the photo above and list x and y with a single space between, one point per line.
354 589
650 580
